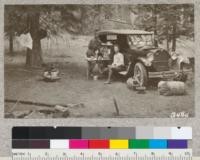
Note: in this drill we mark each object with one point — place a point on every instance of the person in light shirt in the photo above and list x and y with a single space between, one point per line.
117 65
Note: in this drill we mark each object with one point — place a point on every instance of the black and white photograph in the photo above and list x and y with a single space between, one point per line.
99 61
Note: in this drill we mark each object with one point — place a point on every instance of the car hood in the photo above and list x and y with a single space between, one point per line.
143 51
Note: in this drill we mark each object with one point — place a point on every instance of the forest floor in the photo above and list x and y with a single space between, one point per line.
24 84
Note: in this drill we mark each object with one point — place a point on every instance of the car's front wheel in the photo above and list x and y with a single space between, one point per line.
140 74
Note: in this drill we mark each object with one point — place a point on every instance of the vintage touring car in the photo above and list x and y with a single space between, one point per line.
143 60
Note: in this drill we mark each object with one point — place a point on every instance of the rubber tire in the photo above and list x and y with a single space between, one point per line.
144 74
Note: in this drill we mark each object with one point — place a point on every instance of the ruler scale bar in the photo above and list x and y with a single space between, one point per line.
100 154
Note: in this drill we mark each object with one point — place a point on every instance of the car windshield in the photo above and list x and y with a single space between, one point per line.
140 40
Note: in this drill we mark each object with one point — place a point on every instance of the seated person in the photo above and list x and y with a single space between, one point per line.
91 53
117 65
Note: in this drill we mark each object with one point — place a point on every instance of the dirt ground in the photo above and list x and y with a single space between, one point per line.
24 84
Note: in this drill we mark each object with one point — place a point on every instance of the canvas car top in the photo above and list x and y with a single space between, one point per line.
123 31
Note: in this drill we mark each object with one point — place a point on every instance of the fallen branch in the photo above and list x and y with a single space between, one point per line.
32 103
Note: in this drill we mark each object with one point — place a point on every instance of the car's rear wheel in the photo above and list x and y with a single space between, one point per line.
140 74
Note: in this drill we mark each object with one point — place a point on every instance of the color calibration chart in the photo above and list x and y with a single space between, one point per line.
101 143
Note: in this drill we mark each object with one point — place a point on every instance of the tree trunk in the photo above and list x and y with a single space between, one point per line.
155 26
11 34
34 55
11 43
167 38
174 37
28 57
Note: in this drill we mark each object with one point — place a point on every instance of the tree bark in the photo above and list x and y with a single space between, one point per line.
167 30
34 55
28 57
155 26
11 48
174 37
11 35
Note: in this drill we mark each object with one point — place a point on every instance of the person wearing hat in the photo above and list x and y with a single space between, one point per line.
93 49
117 64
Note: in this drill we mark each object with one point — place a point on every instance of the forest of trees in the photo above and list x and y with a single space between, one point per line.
168 21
